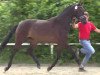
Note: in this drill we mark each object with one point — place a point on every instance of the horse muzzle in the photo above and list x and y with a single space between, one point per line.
82 19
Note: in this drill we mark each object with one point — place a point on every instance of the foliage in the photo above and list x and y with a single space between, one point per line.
13 11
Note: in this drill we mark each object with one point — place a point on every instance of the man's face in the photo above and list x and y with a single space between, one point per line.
87 17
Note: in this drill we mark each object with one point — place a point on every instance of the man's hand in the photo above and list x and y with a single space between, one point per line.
74 20
97 30
74 25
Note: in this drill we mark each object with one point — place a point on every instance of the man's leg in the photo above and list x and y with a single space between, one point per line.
88 50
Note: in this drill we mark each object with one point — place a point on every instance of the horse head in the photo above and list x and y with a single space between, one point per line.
79 13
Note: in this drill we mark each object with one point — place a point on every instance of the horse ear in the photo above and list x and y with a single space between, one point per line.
80 2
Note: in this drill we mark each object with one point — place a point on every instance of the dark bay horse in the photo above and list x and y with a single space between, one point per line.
53 30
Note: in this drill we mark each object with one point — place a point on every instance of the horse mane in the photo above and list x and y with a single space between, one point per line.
52 18
66 9
63 12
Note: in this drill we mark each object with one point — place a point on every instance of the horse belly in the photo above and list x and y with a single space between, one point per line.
44 38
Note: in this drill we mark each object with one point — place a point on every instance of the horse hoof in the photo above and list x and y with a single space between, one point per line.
49 68
6 68
38 66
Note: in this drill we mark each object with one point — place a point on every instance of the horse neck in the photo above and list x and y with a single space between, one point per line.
65 20
66 16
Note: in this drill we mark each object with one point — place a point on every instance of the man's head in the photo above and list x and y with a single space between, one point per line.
84 20
86 14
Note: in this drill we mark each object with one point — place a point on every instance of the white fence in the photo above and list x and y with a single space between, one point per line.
50 44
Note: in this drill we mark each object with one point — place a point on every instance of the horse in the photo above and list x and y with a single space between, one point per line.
52 30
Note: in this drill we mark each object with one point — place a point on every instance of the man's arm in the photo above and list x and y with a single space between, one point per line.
74 25
97 30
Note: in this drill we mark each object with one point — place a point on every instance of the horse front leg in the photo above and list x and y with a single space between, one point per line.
74 54
58 51
11 58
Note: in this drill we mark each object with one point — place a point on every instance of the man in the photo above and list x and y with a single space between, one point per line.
84 39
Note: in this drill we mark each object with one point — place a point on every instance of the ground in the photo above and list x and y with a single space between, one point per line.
20 69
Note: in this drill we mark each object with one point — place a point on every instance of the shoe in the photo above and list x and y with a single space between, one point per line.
82 70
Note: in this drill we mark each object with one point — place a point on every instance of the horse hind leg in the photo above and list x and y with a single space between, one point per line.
11 58
30 52
19 41
13 52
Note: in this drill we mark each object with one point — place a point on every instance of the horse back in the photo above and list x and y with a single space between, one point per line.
39 30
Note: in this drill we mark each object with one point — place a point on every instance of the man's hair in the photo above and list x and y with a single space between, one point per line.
86 13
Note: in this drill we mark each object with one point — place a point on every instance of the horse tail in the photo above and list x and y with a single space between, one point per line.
7 38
